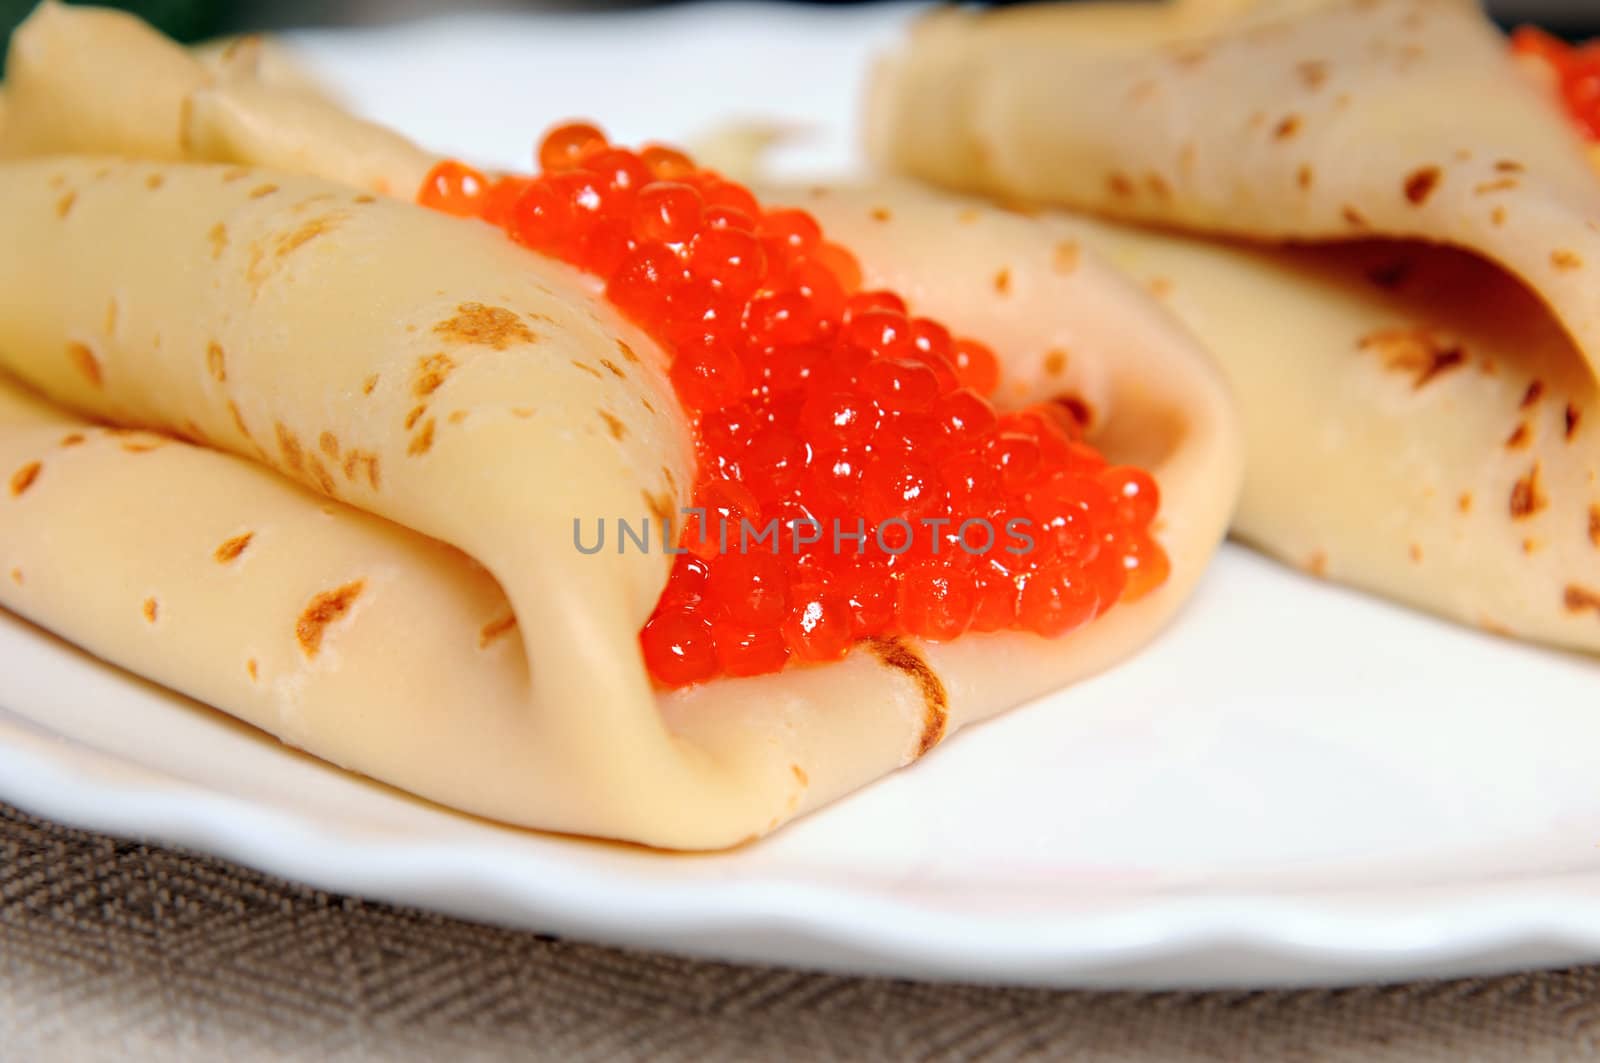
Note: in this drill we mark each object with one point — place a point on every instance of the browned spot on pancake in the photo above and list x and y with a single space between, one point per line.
65 204
1055 361
1076 406
364 199
613 425
252 669
1317 564
72 439
1531 397
84 361
57 181
150 609
490 326
800 775
1509 166
357 460
431 373
1531 546
320 473
1493 626
1574 417
155 181
16 576
1189 57
1577 599
880 214
1160 287
262 191
1144 90
1305 177
422 442
1313 73
1390 275
659 504
238 420
1416 350
613 369
1499 184
1287 127
25 477
230 550
219 239
1120 185
457 416
415 415
646 404
627 352
1158 185
1064 256
1594 525
144 445
1497 216
236 173
496 628
1566 260
329 445
1519 438
368 384
1415 553
587 368
935 703
289 446
1420 184
1002 282
521 412
217 362
290 242
323 610
1527 498
1354 217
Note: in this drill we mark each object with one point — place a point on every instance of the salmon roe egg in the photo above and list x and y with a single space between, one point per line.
854 477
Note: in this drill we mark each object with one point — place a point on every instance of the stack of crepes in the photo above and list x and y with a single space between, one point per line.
1382 224
288 443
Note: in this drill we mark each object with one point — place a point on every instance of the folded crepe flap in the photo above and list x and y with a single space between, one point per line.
1321 119
424 369
98 81
1417 423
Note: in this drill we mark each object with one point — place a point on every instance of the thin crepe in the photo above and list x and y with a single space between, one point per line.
402 594
1417 424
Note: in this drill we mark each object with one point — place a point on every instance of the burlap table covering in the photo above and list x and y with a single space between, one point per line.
116 950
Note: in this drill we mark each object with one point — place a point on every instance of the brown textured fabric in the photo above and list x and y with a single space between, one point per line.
115 950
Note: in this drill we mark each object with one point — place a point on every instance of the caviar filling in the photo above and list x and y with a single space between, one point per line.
1577 71
853 478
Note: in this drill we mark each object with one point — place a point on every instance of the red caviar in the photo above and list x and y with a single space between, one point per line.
902 501
1577 70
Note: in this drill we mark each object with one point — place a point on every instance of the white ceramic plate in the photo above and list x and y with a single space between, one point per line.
1294 784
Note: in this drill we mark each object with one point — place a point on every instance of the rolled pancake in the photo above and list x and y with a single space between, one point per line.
1418 424
421 378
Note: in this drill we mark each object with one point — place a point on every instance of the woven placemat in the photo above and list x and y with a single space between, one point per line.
116 950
